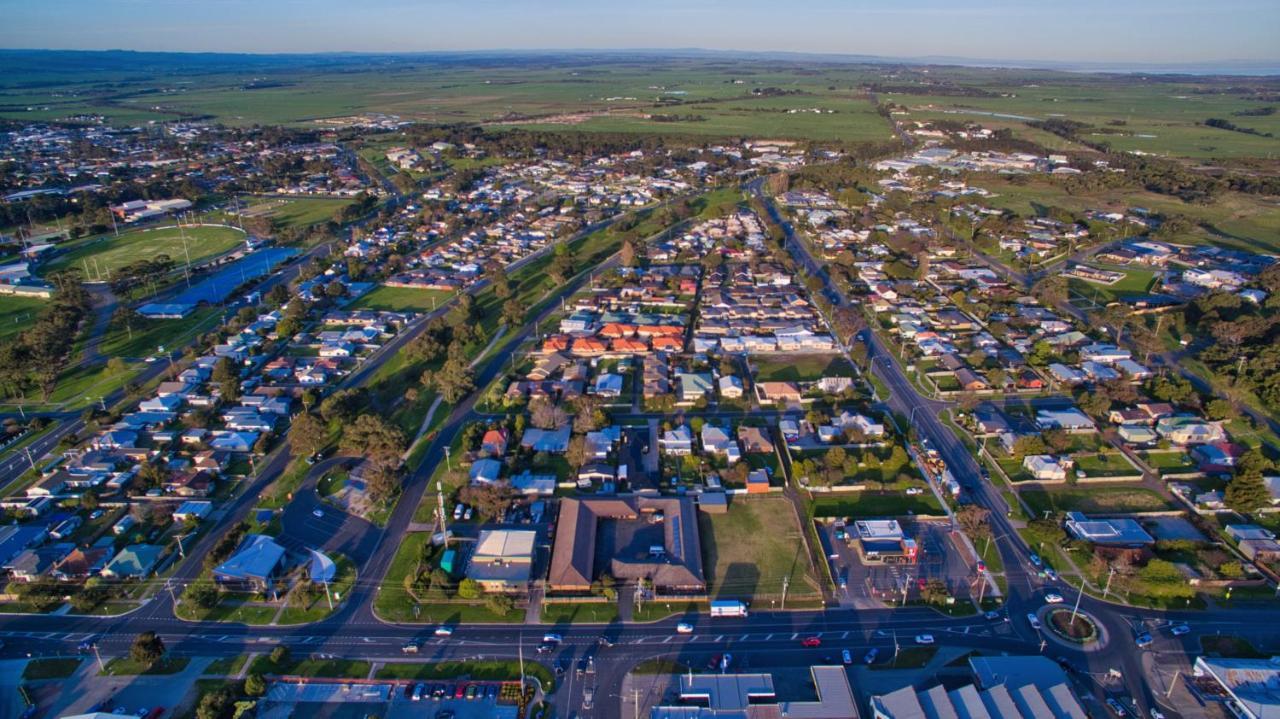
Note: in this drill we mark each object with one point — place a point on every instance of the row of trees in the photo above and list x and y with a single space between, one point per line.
36 357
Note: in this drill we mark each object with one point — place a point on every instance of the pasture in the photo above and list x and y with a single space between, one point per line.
99 256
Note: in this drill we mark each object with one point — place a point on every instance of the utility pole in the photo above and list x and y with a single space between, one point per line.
1076 609
1173 683
447 461
101 667
444 530
636 692
327 596
1107 588
906 584
786 582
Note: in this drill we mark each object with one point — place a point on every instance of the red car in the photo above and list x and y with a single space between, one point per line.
811 642
460 692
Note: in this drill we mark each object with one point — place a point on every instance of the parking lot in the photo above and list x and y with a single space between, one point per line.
436 700
867 582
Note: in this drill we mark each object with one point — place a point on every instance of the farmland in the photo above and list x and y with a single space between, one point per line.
100 256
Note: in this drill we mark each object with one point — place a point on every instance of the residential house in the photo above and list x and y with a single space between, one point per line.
677 441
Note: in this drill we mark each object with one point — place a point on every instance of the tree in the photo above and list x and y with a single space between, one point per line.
545 414
147 648
454 380
254 685
382 483
935 592
628 253
374 438
499 604
469 589
1029 444
307 435
203 595
512 313
488 499
576 454
1247 493
501 283
973 519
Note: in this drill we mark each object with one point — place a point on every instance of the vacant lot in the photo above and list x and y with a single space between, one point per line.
98 257
800 368
401 299
749 550
1094 499
1135 282
866 505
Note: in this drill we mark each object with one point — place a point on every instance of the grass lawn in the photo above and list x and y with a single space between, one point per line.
401 299
1228 645
393 603
1105 464
305 667
1170 462
483 670
654 611
862 505
61 668
124 666
571 612
1135 282
148 335
800 368
751 548
1094 499
226 666
301 212
344 579
106 253
19 313
908 658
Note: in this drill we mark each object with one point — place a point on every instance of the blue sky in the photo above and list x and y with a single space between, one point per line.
1120 31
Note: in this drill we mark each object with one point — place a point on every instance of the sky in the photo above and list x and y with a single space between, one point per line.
1105 31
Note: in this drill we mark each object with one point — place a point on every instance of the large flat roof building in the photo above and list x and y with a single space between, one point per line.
752 696
503 560
1004 688
1252 684
1108 532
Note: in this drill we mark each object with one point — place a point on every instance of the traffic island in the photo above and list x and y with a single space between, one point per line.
1075 627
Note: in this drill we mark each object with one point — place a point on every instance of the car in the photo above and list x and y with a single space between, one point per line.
586 664
95 514
1156 713
317 512
417 692
921 583
1178 630
844 584
87 645
982 567
408 691
992 615
1051 574
1053 598
604 641
811 642
471 691
545 648
1035 560
466 516
846 657
444 631
460 691
870 658
458 509
684 628
562 666
588 696
491 691
552 638
1143 640
1035 623
410 648
1116 707
726 661
924 639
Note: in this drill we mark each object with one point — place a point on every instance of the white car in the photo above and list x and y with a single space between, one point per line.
317 512
684 628
443 631
1053 598
552 638
924 639
458 509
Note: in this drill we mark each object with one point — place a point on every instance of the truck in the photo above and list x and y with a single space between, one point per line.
728 608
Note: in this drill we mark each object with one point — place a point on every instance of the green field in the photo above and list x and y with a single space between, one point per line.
99 256
301 212
1094 499
401 299
749 550
1135 282
19 313
800 368
868 504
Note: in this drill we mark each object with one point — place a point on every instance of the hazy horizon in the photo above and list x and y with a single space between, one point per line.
1094 33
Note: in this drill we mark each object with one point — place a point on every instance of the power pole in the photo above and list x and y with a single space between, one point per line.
444 530
1076 609
1107 588
1173 683
636 692
786 582
101 667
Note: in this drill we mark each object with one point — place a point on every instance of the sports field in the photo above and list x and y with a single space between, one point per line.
18 313
301 212
401 299
99 256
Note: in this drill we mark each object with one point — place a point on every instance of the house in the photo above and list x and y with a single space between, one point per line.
678 441
1217 456
494 442
193 510
32 564
853 420
254 566
758 482
730 387
81 563
608 385
554 441
693 386
485 471
233 441
1069 419
133 562
503 560
1108 532
778 393
595 473
1186 430
1045 467
969 380
835 385
754 440
715 440
1137 434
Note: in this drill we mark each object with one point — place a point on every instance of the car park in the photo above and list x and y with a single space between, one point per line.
924 639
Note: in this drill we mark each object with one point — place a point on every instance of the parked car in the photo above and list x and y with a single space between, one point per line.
924 639
715 662
417 692
684 628
846 657
1116 707
471 691
811 642
992 615
1035 623
870 658
458 509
